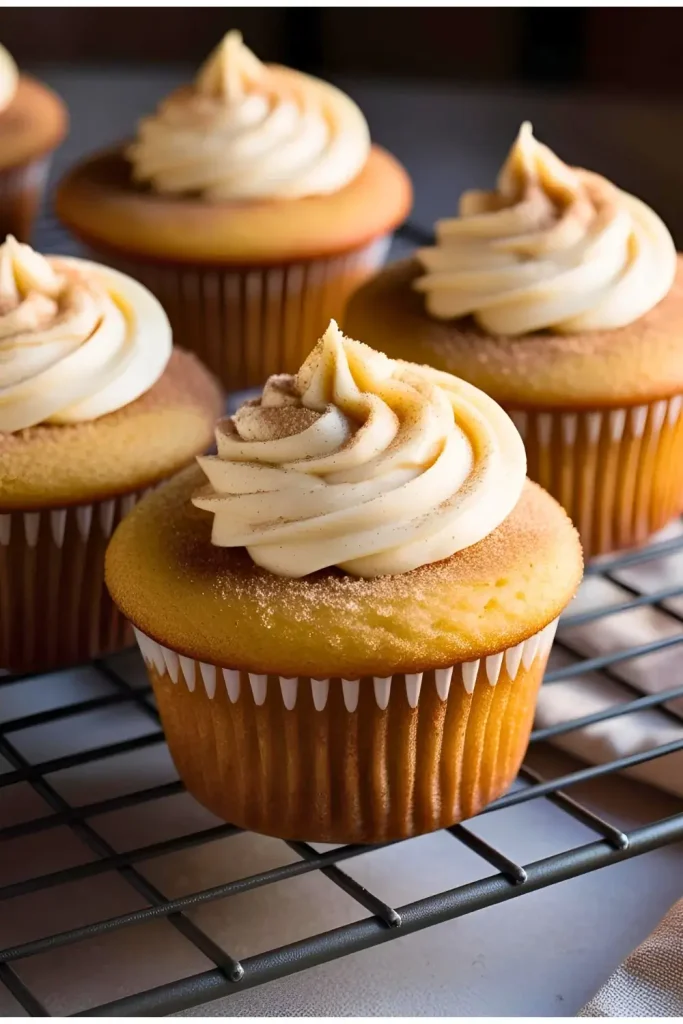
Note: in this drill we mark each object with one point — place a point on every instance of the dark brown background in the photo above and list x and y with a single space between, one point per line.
607 49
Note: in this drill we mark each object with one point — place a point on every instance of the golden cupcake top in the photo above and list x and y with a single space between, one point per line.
361 462
245 130
132 448
77 340
485 598
9 78
553 247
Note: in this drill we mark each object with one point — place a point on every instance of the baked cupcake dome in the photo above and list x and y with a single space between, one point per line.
599 407
336 707
100 203
245 272
215 605
627 367
69 476
137 446
33 123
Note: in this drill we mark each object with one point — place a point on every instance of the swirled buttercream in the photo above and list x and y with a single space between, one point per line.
553 247
360 461
9 78
77 340
246 130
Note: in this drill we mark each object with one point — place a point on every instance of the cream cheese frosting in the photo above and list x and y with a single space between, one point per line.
371 464
9 78
77 340
553 247
246 130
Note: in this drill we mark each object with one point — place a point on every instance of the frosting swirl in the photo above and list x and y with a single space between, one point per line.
77 340
553 247
248 131
373 465
9 78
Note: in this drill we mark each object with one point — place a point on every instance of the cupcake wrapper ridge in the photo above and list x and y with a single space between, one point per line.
617 472
54 607
248 323
190 672
348 760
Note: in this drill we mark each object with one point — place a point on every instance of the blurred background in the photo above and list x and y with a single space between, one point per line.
445 89
630 49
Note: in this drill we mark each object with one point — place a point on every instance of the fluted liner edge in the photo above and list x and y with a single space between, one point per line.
338 760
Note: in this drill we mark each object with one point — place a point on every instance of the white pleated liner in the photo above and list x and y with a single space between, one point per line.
563 451
191 672
614 420
246 324
99 516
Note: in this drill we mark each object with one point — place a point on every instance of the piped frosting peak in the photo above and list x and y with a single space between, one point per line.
231 71
246 130
77 340
553 247
360 461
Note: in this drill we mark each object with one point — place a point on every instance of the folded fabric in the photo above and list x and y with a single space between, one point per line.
649 983
626 681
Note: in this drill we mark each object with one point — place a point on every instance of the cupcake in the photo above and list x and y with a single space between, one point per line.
252 204
346 613
561 297
33 122
95 409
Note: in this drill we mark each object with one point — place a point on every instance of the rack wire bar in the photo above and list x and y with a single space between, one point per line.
102 849
633 706
115 860
612 673
608 844
642 600
67 711
572 807
626 559
22 994
520 796
114 803
34 772
352 938
514 872
286 871
613 658
661 597
351 887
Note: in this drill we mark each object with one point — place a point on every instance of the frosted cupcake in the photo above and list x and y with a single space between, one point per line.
562 297
33 122
95 409
252 203
346 613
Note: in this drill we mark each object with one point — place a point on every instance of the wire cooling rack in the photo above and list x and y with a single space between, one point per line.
118 683
95 730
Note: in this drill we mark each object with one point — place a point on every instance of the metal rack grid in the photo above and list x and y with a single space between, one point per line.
383 923
609 844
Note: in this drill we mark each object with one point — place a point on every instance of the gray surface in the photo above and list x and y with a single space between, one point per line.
545 953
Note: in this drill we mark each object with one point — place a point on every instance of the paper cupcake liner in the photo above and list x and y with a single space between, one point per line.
21 193
348 760
617 472
246 324
54 607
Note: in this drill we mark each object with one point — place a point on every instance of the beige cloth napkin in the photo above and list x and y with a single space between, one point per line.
653 673
649 983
